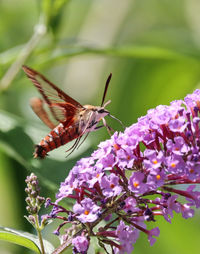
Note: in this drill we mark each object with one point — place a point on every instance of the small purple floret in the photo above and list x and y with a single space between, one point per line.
80 243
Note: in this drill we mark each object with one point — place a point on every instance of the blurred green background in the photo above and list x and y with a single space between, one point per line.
152 47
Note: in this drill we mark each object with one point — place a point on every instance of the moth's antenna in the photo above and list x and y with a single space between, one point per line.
106 88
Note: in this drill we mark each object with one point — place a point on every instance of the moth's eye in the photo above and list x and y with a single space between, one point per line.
101 111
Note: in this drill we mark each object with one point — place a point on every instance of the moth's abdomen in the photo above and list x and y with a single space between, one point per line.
56 138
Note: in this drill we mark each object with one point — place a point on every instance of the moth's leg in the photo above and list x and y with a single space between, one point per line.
98 127
87 126
77 143
83 140
115 118
109 129
74 146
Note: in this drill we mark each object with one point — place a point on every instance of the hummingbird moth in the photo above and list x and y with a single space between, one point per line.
72 120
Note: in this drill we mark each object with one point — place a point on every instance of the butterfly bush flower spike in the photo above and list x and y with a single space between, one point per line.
151 169
34 203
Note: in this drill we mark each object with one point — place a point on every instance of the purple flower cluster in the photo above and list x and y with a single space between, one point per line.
152 157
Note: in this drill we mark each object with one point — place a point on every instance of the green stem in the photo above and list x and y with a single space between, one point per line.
37 227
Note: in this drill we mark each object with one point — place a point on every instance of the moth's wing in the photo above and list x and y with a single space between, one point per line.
62 107
38 107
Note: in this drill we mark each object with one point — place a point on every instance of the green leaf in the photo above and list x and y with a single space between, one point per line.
129 51
53 11
10 55
12 136
145 52
25 239
16 239
59 4
94 246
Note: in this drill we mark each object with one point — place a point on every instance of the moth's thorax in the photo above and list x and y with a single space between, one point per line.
90 116
98 112
90 107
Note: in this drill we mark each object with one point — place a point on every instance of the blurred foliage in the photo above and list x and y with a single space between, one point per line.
24 239
152 49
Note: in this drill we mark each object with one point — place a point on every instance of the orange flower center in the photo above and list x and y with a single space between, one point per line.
173 165
112 185
158 177
116 146
198 104
86 212
135 184
191 170
155 161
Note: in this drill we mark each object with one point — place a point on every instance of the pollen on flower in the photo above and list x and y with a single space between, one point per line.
112 186
198 104
191 170
128 157
135 184
177 148
86 212
116 146
155 161
97 176
173 165
158 177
